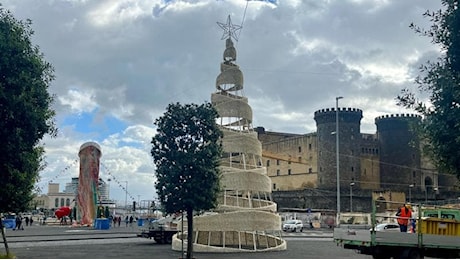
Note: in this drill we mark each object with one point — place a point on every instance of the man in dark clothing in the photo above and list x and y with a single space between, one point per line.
131 219
18 223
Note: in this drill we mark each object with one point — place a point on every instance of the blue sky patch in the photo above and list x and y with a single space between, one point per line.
88 123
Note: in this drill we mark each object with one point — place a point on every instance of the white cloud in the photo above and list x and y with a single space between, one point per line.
129 59
79 101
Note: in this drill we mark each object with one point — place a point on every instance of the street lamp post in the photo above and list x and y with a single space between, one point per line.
351 196
337 156
108 189
410 192
126 197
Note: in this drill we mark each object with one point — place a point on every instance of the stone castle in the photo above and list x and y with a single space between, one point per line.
387 162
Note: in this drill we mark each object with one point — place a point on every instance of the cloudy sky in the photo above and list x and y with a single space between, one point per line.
119 63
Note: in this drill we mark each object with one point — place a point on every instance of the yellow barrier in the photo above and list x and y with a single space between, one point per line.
440 226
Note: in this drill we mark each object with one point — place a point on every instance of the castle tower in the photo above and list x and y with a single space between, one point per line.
399 151
246 218
89 154
349 147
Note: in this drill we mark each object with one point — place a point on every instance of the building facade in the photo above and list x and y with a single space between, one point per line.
387 161
53 200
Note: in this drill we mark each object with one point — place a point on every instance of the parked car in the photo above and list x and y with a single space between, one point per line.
393 227
293 225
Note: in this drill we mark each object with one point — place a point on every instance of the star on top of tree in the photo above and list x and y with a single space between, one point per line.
229 29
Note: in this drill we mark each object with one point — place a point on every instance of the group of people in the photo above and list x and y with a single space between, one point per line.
128 220
18 222
405 219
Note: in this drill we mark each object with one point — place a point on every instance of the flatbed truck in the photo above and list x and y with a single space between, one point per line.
160 231
436 237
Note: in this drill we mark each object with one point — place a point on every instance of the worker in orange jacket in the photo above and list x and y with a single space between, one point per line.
404 214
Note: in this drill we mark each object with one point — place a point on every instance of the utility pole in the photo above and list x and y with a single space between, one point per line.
337 156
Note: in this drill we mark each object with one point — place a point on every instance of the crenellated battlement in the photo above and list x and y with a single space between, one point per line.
341 109
396 116
349 114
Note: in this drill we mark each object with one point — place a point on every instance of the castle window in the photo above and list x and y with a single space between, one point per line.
376 151
300 159
67 202
309 146
268 163
277 162
352 169
310 170
413 174
300 149
320 169
289 171
278 172
274 186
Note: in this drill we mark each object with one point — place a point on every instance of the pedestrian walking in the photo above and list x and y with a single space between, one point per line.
131 219
126 220
119 220
27 220
18 223
31 221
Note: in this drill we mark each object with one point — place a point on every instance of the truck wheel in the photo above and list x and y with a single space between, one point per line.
381 253
411 253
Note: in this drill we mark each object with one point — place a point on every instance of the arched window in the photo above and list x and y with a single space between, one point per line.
62 202
56 202
67 202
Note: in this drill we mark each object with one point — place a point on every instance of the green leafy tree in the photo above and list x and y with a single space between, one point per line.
25 112
186 151
440 79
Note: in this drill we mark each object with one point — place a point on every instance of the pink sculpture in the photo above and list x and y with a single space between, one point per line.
89 154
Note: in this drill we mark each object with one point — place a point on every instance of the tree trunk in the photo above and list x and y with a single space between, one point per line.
4 239
189 233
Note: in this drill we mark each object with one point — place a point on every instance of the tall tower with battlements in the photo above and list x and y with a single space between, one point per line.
400 155
349 147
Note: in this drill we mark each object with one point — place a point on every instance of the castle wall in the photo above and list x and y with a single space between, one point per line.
290 159
370 162
388 161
